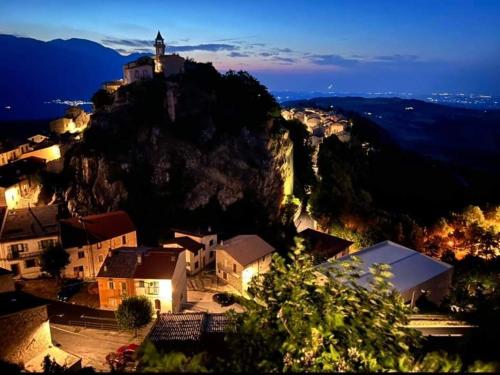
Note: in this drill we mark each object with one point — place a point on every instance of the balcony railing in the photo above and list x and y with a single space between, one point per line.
23 255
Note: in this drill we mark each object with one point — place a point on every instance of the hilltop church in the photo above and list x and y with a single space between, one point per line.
145 67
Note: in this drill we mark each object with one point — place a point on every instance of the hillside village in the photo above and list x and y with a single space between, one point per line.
187 277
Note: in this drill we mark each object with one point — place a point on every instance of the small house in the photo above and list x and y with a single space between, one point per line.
241 258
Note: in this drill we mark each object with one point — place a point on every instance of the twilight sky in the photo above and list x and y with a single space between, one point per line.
417 46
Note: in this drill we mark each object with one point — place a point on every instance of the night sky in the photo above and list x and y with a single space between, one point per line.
343 46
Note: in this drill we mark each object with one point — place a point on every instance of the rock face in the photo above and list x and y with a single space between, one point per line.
164 174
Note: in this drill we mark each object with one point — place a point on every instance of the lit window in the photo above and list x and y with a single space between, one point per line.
99 245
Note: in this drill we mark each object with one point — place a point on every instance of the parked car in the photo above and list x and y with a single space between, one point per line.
68 291
223 299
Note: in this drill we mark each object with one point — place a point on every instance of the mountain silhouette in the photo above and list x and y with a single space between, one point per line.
35 72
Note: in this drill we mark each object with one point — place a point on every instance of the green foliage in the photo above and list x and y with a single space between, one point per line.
475 297
101 99
150 360
472 231
289 209
304 178
306 323
53 259
134 313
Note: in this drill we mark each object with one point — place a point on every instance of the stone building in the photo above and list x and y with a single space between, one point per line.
25 333
166 64
138 70
25 233
199 245
241 258
144 67
88 240
157 273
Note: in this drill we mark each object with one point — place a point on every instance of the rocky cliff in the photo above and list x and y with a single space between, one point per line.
200 149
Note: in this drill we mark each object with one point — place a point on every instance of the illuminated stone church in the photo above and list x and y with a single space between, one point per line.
145 67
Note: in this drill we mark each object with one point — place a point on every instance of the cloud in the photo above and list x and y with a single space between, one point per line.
397 58
211 47
238 54
138 45
265 54
336 60
284 60
128 42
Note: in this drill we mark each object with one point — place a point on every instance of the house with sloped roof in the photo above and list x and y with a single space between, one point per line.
155 272
241 258
413 274
199 244
189 332
88 240
323 246
25 233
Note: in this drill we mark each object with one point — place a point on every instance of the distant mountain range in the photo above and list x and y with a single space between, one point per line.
34 72
465 137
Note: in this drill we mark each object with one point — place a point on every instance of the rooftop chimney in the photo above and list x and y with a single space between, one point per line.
209 229
139 258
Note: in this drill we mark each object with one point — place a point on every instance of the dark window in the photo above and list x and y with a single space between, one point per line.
234 267
99 258
211 243
212 254
124 285
196 264
124 240
157 304
224 275
81 254
30 263
43 244
141 283
111 285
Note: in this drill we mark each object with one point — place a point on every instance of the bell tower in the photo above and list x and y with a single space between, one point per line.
159 45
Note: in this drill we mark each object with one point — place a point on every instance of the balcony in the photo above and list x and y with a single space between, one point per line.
23 255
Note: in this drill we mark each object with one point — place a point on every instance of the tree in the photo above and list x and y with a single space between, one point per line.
101 99
53 259
153 361
134 313
306 323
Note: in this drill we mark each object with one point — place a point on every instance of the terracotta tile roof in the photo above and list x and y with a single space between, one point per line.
323 246
156 263
19 170
247 248
185 242
120 263
186 327
196 232
95 228
33 222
